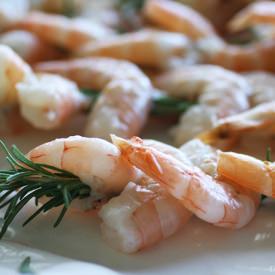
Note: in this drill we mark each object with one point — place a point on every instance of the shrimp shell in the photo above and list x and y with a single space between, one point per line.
178 18
146 47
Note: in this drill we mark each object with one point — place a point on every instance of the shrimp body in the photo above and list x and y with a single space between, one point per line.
124 103
47 101
61 31
257 56
219 92
263 87
122 109
141 216
13 70
248 172
96 162
146 48
94 72
28 46
262 12
211 200
230 129
178 18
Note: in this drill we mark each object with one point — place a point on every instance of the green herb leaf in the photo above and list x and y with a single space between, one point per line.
25 267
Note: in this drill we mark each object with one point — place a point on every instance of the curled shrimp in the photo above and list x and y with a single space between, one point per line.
229 130
124 103
256 56
61 31
146 47
178 18
263 87
141 216
262 12
47 101
13 70
219 92
28 46
248 172
94 72
211 200
96 162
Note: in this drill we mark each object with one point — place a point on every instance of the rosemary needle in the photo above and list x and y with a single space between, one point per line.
27 180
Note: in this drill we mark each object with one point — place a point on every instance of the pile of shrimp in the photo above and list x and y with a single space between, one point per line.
109 63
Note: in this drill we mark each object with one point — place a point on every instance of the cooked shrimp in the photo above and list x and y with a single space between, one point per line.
28 46
256 56
122 108
96 162
228 130
263 87
61 31
124 103
47 101
220 93
13 70
141 216
11 11
262 12
248 172
178 18
211 200
59 6
94 72
146 47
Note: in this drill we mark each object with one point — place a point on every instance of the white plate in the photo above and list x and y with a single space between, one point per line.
199 248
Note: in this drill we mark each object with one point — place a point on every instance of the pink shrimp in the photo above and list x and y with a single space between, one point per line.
213 201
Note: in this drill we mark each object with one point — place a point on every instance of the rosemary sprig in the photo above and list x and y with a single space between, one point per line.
25 267
162 105
27 180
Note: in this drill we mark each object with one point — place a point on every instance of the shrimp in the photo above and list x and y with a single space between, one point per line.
146 47
60 6
256 56
61 31
220 93
141 216
11 11
211 200
47 101
259 175
96 162
124 103
178 18
13 70
256 13
94 72
28 46
122 108
230 129
263 87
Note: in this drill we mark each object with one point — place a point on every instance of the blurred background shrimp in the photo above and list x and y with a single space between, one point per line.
58 30
94 72
151 48
47 101
214 201
29 47
12 71
219 93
